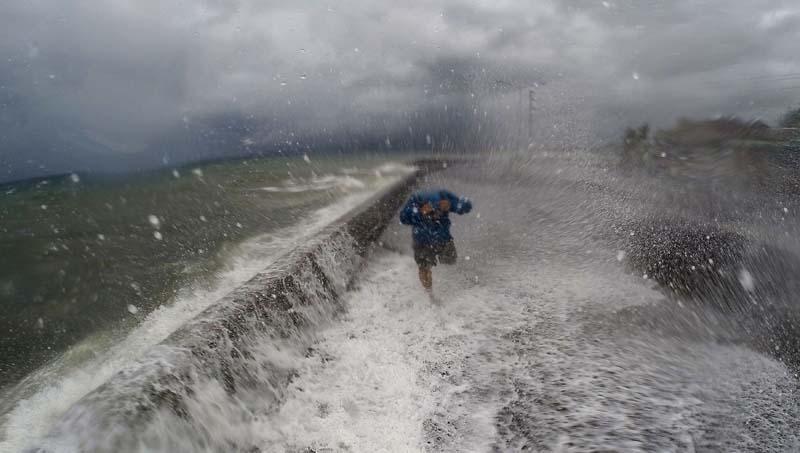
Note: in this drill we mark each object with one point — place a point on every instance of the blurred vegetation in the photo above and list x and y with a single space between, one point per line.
791 119
749 152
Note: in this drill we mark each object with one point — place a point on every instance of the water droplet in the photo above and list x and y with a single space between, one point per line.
303 77
306 158
154 221
75 178
620 255
157 235
102 237
746 279
635 76
133 309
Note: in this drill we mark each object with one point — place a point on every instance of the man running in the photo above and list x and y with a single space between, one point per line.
428 212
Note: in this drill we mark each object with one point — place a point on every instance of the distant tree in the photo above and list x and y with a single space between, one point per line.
634 150
630 137
644 132
791 118
634 137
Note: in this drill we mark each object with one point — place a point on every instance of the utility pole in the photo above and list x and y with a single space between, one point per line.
520 117
520 87
530 113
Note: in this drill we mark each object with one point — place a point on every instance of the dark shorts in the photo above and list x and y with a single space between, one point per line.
431 255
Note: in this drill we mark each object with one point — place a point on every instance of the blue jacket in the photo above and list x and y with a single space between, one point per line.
432 229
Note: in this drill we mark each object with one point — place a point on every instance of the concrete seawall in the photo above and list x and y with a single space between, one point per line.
221 351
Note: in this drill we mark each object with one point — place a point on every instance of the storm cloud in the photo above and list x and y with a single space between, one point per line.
119 84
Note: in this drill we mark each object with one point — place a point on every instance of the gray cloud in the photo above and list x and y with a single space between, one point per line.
120 83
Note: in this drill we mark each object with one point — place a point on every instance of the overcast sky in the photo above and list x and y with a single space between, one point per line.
117 75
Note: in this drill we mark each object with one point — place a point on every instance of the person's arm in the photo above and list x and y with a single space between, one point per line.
410 214
459 205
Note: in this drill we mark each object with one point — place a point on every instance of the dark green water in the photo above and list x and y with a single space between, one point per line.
80 256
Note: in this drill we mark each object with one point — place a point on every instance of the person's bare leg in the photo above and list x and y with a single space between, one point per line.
426 278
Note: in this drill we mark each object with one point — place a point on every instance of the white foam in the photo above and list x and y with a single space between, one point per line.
360 389
318 183
47 393
401 374
344 182
370 385
394 167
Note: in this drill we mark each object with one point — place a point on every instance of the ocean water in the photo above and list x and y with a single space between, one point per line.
94 271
